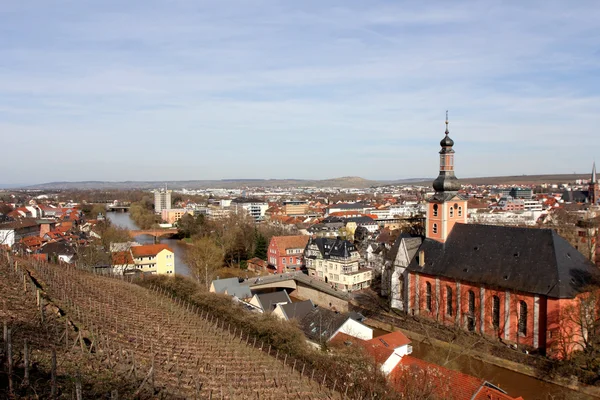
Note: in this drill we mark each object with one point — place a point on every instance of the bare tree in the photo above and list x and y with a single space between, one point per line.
204 257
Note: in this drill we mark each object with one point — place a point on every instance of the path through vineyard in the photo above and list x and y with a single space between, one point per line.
178 351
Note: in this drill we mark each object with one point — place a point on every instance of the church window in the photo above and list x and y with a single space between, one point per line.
451 212
435 210
471 302
459 211
428 296
434 228
522 318
496 312
449 300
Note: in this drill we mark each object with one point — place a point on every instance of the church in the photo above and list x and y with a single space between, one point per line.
523 286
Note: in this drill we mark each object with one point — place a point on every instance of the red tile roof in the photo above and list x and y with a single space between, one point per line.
122 258
149 250
413 374
381 347
290 242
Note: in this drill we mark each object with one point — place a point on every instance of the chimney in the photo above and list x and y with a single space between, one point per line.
421 258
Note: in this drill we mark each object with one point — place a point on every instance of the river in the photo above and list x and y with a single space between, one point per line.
179 248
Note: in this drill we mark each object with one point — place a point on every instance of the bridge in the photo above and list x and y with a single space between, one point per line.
118 207
159 232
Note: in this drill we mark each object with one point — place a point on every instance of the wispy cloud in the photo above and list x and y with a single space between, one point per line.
305 89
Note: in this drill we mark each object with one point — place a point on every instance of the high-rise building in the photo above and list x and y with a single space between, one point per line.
162 200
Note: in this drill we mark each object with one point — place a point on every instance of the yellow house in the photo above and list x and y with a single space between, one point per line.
154 259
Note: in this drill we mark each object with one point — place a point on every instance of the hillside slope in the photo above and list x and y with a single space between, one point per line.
176 352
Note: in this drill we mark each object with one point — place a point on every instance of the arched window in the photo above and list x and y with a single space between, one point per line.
449 300
459 211
496 311
428 296
451 212
471 315
435 210
434 228
471 302
522 318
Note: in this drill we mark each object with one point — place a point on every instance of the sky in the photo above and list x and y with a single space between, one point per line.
177 90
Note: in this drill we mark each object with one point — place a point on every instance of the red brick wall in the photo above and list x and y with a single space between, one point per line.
438 309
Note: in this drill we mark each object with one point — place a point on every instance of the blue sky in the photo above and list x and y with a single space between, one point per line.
165 90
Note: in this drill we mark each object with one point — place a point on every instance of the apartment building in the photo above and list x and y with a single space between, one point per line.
162 200
336 261
155 259
172 215
285 253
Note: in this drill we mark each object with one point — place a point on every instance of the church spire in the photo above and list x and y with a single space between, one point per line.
594 180
446 181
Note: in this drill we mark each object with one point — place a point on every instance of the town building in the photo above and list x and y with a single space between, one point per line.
256 208
336 261
516 284
162 200
592 195
286 253
266 302
13 231
172 215
155 259
295 207
517 193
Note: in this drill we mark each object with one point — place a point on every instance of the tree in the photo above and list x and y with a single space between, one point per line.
188 226
204 258
260 246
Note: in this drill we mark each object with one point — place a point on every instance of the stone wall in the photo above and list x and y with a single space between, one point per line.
304 292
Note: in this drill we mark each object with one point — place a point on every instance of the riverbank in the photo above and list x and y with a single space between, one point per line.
420 339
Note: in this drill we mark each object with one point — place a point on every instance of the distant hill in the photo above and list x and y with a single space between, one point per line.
516 179
343 182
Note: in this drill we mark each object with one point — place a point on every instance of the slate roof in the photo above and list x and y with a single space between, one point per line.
576 196
330 247
412 246
19 223
362 220
297 310
268 301
536 261
319 324
232 287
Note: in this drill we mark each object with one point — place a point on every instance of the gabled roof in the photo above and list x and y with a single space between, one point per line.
439 381
320 324
149 250
290 242
576 196
122 258
330 247
536 261
268 301
231 287
380 348
411 243
297 310
19 224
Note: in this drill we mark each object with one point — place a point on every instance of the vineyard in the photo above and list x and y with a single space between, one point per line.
90 336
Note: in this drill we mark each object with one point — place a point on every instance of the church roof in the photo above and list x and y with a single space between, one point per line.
536 261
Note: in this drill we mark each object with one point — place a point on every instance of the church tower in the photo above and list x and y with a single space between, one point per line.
446 207
594 189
